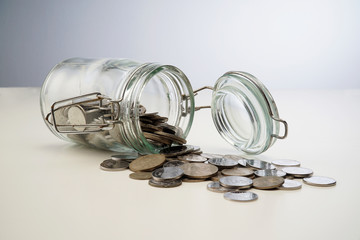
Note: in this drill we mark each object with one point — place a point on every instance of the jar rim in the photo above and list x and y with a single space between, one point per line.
137 81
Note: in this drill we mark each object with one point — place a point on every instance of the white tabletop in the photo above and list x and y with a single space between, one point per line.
51 189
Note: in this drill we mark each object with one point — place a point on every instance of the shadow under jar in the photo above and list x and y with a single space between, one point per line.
99 102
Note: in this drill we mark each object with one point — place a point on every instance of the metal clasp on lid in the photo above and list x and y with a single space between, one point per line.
104 108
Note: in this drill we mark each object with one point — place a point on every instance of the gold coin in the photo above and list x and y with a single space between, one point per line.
140 175
199 170
243 172
186 179
147 162
268 182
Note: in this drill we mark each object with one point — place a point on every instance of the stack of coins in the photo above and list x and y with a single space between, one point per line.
229 174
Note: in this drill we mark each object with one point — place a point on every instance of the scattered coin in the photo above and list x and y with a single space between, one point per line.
269 182
240 196
239 159
216 187
217 177
141 175
286 163
177 150
211 155
223 162
165 184
290 185
199 170
125 155
174 163
299 172
242 172
259 164
192 158
236 182
270 172
114 165
147 162
186 179
320 181
167 173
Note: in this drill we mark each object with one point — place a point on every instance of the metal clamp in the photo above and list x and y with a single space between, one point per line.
196 92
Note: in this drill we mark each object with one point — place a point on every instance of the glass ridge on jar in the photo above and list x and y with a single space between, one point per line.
159 88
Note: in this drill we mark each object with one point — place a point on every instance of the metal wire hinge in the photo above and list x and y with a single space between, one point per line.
87 113
199 90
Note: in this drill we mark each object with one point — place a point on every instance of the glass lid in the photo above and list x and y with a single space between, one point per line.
245 114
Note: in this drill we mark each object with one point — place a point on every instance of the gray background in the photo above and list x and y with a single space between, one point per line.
286 44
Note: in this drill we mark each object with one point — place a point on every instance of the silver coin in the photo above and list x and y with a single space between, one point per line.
239 159
192 158
320 181
211 155
216 187
286 163
298 171
235 182
270 172
290 185
174 163
76 116
259 164
240 196
125 155
114 165
165 184
167 173
223 162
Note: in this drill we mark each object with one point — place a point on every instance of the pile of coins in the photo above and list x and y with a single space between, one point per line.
232 175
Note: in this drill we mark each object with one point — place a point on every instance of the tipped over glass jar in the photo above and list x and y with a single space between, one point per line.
123 105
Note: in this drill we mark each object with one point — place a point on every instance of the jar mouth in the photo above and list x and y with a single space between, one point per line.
163 89
242 111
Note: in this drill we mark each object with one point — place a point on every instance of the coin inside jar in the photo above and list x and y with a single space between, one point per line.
177 150
167 173
199 170
236 182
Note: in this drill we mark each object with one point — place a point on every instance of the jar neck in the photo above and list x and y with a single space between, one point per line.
159 88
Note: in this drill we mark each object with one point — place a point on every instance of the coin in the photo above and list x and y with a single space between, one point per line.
217 177
125 155
259 164
290 185
76 116
140 175
199 170
223 162
242 172
320 181
167 173
216 187
269 172
235 182
147 162
240 196
177 150
174 163
157 138
299 172
211 155
114 165
286 163
171 137
239 159
165 184
268 182
186 179
192 158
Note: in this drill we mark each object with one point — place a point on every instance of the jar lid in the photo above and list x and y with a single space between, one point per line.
245 113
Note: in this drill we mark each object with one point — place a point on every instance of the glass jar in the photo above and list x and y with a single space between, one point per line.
115 92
